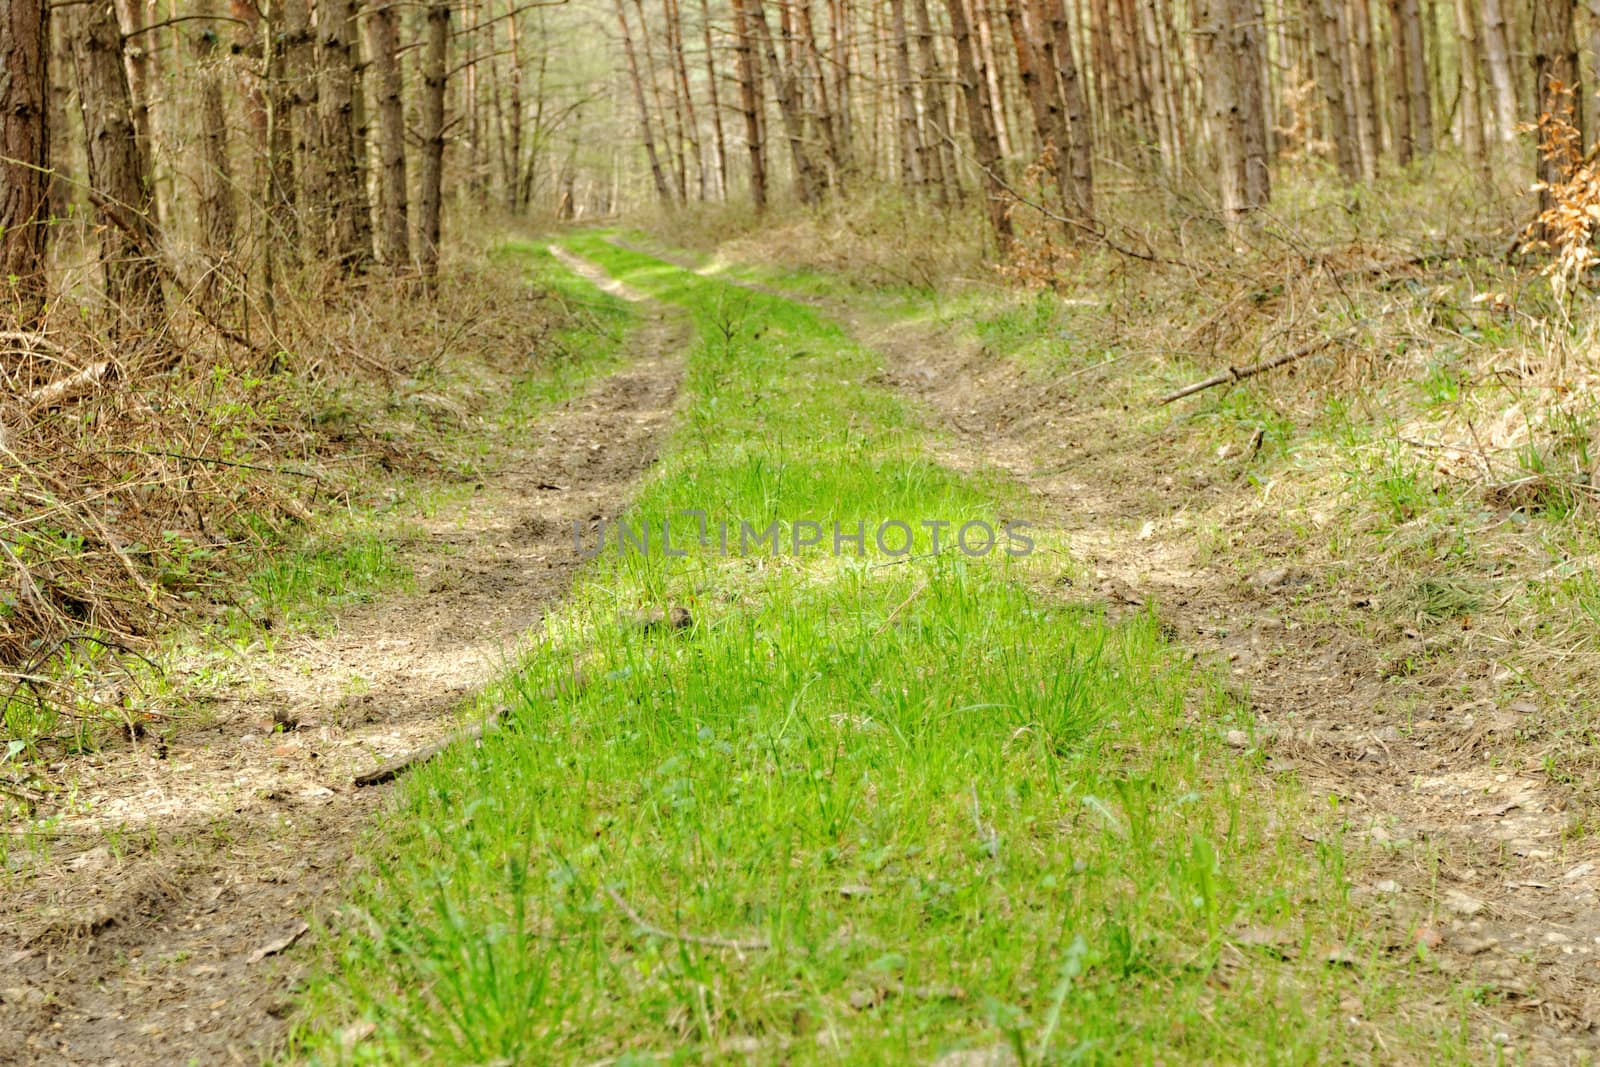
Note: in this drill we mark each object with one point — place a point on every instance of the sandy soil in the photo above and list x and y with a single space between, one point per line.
160 926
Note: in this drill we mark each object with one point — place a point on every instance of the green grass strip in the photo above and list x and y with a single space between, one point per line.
862 810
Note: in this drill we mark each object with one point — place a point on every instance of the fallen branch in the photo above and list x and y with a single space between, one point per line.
1239 374
396 767
754 945
73 385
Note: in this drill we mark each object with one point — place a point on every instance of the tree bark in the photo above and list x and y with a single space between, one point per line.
913 161
750 104
1497 58
980 120
383 42
719 138
25 146
1223 36
784 84
1080 150
119 173
1328 45
680 66
348 234
942 172
218 217
1471 60
1556 80
431 186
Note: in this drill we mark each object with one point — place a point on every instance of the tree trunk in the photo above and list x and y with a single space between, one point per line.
680 66
24 157
1411 78
789 109
646 131
980 120
1080 149
1497 58
431 191
1471 61
297 134
720 139
348 236
750 104
913 162
119 174
1328 45
1050 122
218 217
1223 36
1366 77
383 42
1556 80
942 171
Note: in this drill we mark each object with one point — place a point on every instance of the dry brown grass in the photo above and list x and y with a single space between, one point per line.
140 479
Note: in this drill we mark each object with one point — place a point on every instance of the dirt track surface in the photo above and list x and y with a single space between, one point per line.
161 926
1469 852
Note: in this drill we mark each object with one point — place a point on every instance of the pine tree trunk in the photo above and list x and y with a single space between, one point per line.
789 108
1223 38
980 121
1080 148
119 174
942 173
1556 80
646 130
913 161
1470 55
673 146
218 217
1399 81
435 53
1419 104
348 237
720 139
1366 76
24 158
1327 46
297 133
750 103
383 42
681 68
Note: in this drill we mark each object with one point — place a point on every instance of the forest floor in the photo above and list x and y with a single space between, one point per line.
1251 759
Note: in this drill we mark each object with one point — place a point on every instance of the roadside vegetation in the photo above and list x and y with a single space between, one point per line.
874 808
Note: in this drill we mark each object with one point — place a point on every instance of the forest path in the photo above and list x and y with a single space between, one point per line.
157 927
1461 841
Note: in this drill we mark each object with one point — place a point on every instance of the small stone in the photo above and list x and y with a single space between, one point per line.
1387 887
1237 739
1270 577
1461 903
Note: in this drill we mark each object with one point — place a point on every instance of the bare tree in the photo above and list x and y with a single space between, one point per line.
24 155
383 43
980 121
750 102
430 201
119 171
